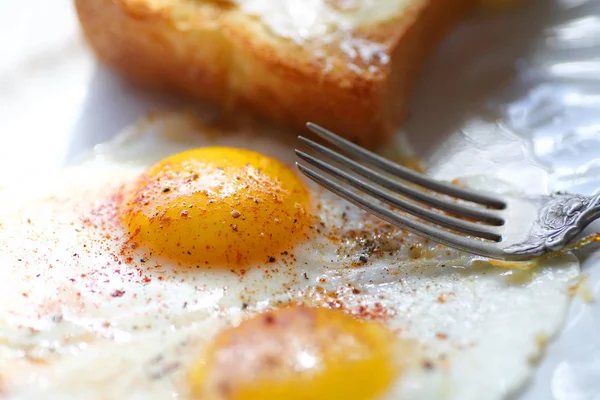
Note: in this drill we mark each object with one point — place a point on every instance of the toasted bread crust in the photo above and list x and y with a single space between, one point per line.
215 52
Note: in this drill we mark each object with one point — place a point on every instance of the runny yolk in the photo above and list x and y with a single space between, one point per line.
217 206
300 353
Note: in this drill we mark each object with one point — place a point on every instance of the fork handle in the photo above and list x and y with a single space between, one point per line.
562 217
566 216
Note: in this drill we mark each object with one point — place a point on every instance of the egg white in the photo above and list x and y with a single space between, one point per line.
78 320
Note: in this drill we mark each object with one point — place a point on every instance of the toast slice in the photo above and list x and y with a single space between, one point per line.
348 65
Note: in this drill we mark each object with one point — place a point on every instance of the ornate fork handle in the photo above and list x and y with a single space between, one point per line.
559 221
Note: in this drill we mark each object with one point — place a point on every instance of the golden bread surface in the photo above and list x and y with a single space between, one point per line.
348 65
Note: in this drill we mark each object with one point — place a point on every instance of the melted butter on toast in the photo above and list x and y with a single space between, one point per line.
301 21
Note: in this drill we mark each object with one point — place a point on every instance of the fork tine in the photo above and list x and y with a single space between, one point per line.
433 233
469 228
406 190
403 172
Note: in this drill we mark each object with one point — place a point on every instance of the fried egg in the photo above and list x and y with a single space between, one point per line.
178 261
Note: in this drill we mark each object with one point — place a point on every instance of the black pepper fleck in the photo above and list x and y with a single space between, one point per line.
166 370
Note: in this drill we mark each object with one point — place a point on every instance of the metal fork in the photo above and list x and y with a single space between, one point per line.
490 225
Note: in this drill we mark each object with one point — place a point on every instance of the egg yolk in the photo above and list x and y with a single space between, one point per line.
217 206
299 353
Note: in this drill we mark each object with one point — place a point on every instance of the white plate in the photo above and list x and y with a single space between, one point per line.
514 94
